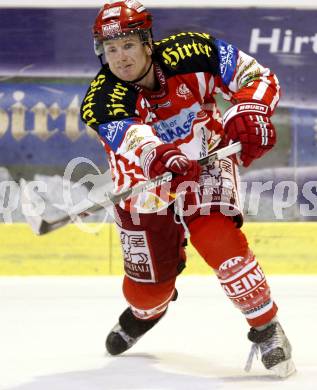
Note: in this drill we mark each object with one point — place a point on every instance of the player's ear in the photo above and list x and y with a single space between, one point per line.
148 50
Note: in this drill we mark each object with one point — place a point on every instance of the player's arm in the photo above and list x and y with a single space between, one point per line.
254 92
124 134
114 110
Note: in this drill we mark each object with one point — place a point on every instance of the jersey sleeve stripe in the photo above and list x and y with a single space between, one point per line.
260 91
201 84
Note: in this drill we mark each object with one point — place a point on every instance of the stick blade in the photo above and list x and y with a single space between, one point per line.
44 228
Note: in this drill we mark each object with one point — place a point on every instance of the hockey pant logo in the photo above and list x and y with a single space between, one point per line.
138 263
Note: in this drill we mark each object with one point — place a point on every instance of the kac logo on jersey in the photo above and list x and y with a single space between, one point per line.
228 60
183 91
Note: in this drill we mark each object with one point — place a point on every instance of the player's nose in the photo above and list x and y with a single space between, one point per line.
122 55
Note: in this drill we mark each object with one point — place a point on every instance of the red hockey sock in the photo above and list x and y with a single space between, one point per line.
225 248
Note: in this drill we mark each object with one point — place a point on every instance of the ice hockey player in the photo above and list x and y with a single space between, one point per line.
153 107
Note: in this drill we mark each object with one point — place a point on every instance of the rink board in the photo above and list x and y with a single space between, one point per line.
281 248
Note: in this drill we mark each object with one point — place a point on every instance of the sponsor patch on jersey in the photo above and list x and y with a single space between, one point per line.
161 105
176 127
228 55
113 132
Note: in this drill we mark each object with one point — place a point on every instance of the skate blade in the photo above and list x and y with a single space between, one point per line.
284 369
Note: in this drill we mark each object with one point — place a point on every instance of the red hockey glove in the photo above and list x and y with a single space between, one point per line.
250 124
168 158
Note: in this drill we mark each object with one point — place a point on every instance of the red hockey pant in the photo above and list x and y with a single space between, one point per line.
225 248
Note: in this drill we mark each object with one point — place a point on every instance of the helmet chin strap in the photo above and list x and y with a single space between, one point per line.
144 74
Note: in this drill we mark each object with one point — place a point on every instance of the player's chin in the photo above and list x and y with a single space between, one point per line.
128 74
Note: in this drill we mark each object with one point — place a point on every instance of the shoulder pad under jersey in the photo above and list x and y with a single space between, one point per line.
187 52
108 99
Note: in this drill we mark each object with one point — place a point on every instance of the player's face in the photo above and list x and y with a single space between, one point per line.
127 57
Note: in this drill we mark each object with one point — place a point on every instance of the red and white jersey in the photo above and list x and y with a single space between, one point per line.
191 68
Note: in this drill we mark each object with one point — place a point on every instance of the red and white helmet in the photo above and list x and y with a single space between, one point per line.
121 18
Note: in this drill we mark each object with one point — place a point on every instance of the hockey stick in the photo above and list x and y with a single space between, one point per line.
41 226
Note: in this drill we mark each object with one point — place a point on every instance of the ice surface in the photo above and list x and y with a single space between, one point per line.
52 332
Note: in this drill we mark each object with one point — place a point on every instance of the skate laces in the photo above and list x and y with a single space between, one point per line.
263 340
128 339
276 340
275 350
254 352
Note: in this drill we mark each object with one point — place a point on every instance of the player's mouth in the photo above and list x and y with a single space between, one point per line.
126 70
125 66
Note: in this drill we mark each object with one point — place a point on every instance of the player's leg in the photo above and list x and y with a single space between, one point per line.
225 248
215 232
148 302
153 256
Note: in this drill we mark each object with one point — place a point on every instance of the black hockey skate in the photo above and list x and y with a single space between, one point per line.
276 350
127 332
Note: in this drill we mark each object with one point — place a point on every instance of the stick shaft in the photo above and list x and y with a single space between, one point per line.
167 177
48 226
